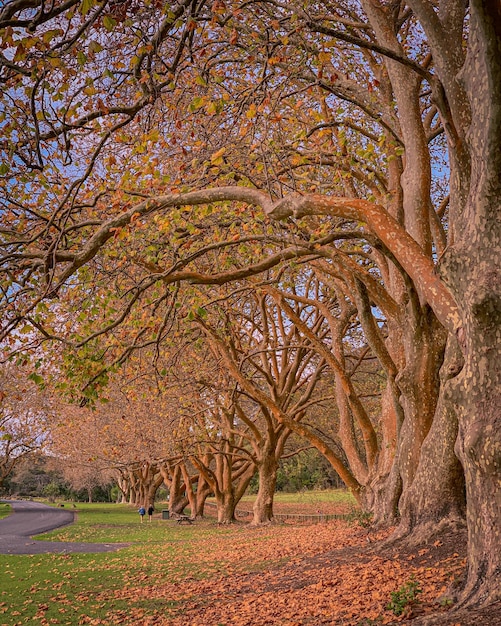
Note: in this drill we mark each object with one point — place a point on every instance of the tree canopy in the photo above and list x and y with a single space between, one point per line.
284 184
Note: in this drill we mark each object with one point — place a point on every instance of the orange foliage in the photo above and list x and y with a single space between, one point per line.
291 575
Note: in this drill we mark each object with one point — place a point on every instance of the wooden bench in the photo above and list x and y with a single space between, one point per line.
184 518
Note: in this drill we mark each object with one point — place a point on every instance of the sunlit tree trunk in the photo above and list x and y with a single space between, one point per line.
134 488
419 384
203 492
152 488
123 486
224 491
227 479
196 497
267 472
148 480
419 334
172 477
385 485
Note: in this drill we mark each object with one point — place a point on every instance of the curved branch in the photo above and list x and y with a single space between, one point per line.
362 43
398 241
394 237
280 416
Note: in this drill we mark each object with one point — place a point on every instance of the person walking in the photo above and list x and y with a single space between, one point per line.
151 510
142 512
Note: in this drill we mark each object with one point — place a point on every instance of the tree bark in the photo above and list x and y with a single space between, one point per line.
226 504
472 266
267 470
173 481
424 344
203 492
190 494
436 499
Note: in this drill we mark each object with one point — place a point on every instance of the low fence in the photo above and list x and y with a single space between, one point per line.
282 517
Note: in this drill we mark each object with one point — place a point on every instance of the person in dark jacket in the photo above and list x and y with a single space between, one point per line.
151 510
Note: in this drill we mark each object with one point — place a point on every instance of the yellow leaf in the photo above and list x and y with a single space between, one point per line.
251 112
216 157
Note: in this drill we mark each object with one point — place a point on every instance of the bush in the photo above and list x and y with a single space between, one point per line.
402 600
307 470
52 491
362 518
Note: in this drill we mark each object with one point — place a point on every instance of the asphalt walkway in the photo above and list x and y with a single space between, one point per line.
33 518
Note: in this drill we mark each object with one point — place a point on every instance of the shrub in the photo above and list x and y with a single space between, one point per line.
402 600
362 518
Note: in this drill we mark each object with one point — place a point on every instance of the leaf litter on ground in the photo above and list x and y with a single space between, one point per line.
284 575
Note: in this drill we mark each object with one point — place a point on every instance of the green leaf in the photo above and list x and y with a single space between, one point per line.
86 6
50 34
95 46
196 103
109 23
38 380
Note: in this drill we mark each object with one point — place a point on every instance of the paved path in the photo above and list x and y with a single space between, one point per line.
33 518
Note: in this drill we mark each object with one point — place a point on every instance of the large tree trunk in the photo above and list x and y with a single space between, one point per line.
419 382
385 491
226 504
190 494
134 489
221 481
436 499
267 470
151 490
148 479
473 269
203 492
173 480
407 420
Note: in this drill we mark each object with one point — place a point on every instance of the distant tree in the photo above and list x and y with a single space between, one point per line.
24 417
53 490
306 470
32 474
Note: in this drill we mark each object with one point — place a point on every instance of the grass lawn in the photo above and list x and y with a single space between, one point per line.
208 575
4 509
64 588
309 502
69 588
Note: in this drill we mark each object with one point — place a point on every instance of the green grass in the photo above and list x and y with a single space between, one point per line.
5 509
108 523
74 589
335 496
61 588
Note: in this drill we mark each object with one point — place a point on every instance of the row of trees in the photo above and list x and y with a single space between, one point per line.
43 476
265 211
125 441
